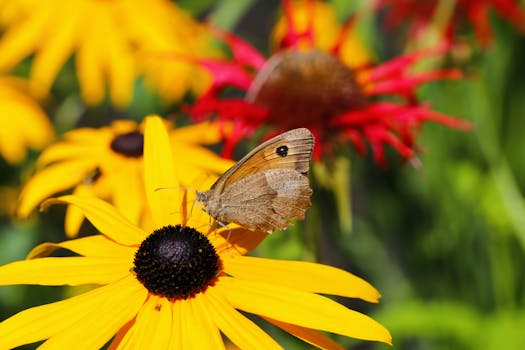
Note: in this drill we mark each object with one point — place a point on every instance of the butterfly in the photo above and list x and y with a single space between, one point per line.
266 188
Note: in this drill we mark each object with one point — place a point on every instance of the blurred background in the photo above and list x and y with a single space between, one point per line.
442 238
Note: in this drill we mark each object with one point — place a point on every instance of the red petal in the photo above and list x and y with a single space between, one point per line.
242 51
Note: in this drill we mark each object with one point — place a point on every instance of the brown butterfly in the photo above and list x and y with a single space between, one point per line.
267 187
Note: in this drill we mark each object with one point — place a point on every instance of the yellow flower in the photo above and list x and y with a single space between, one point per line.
164 72
24 123
175 288
326 32
108 163
108 39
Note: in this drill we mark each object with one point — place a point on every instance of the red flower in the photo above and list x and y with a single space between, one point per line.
420 15
298 87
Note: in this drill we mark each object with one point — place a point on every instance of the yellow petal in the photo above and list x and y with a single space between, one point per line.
201 158
198 332
11 148
238 328
74 216
71 271
92 246
104 217
177 323
89 66
99 136
159 173
300 308
55 48
18 42
128 192
307 276
51 180
118 61
206 133
152 328
122 339
61 151
27 111
236 241
308 335
70 320
124 305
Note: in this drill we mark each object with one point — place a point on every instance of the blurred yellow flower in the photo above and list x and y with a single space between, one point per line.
108 163
111 41
173 287
326 33
24 123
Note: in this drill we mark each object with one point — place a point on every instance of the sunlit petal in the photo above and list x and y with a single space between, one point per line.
128 193
123 305
105 218
201 133
153 324
72 318
308 335
74 215
123 338
72 271
178 326
307 276
198 330
300 308
62 176
239 329
160 172
236 241
98 246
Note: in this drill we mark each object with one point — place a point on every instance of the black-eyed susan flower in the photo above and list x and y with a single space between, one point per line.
23 123
172 287
110 41
447 17
108 163
305 85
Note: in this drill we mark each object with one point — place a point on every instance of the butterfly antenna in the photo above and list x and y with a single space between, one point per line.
174 187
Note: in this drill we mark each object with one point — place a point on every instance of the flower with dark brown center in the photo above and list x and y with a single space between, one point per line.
176 262
108 162
306 84
312 85
130 144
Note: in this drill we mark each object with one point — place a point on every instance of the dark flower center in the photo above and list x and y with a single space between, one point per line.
176 262
129 145
305 89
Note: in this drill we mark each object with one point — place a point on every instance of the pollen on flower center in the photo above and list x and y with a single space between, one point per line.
311 86
176 262
130 144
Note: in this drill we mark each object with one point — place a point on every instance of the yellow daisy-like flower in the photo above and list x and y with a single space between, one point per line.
24 123
108 39
328 33
173 287
108 163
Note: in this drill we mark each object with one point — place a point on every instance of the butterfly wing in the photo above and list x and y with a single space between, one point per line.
289 150
266 200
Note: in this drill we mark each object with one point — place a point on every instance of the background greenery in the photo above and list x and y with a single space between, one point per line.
444 242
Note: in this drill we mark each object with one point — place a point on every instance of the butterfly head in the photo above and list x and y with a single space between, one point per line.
202 197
